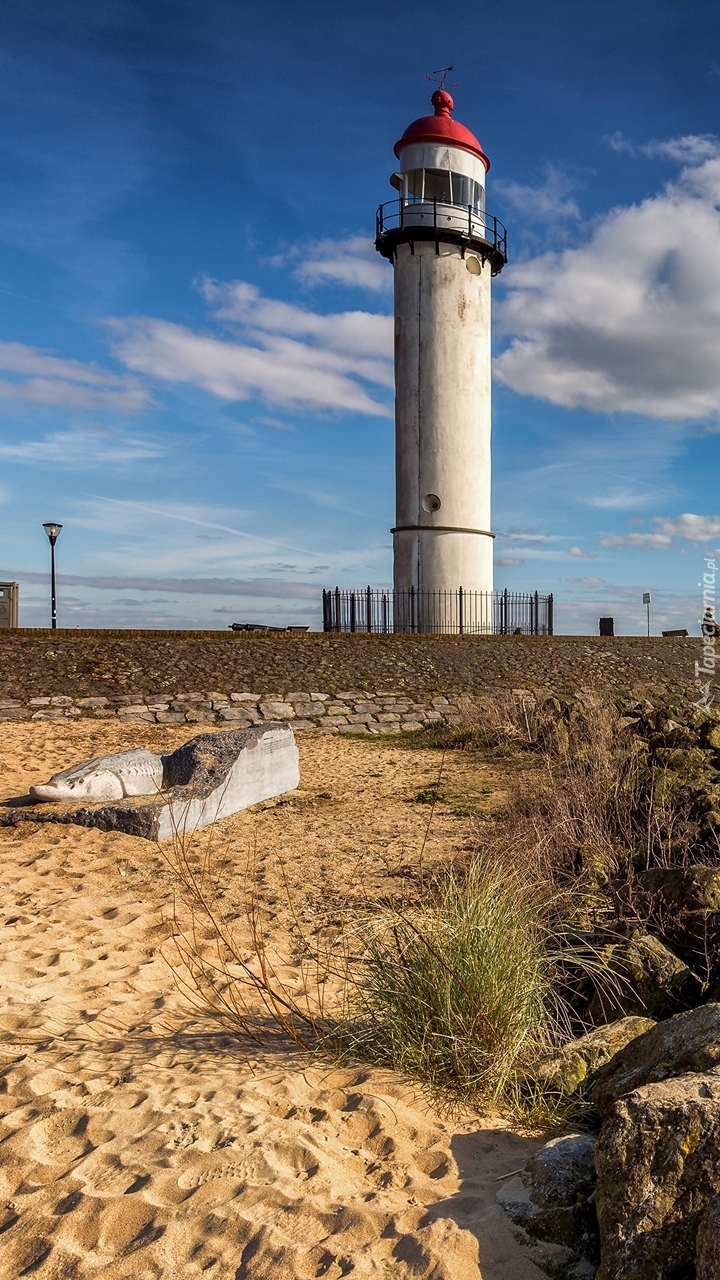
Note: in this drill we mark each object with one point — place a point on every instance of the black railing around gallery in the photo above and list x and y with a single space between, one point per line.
460 612
398 222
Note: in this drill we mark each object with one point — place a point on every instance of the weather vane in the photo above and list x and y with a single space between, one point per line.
442 72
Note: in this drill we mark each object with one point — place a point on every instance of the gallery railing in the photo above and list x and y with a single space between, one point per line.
458 612
400 221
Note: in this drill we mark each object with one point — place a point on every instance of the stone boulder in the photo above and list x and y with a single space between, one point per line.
646 979
671 890
658 1169
683 905
707 1244
710 735
206 779
686 1042
574 1067
553 1200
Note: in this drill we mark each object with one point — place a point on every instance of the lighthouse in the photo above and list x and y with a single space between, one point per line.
444 249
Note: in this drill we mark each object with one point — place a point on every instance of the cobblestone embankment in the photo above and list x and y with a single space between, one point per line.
352 711
337 682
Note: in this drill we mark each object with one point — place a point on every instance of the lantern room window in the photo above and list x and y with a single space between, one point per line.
437 185
414 185
444 187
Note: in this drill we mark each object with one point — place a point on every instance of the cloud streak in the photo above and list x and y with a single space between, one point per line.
47 379
82 447
645 541
183 516
265 587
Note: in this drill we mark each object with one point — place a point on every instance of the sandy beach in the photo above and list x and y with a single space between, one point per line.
139 1139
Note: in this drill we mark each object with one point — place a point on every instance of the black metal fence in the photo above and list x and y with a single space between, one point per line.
460 612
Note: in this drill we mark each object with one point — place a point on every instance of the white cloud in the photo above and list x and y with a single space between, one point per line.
687 527
504 561
578 554
353 262
647 541
629 321
550 200
693 528
620 143
82 447
48 379
289 356
691 149
362 334
527 535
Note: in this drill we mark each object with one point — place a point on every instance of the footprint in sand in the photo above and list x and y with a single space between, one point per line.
60 1139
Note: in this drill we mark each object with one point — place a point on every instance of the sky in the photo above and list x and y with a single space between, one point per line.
195 328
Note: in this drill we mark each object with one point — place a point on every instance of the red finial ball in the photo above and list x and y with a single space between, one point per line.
442 102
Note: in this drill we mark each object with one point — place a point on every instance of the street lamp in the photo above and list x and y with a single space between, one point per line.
53 532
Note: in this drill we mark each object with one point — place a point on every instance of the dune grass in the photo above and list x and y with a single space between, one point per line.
457 991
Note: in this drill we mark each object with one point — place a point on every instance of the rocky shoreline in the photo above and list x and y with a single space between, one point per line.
635 1192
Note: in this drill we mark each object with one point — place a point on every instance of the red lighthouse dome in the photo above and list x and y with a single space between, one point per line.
441 129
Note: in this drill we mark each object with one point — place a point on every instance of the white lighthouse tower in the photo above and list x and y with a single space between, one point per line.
444 250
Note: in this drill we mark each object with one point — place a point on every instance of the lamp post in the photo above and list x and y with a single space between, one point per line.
647 600
53 532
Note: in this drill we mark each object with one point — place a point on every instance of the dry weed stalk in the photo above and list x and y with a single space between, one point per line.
240 981
243 986
589 808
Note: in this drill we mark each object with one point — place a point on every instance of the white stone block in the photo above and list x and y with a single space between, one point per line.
156 797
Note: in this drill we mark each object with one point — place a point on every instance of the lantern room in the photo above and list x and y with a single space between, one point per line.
440 182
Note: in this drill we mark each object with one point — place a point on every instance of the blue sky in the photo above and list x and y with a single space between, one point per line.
195 352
